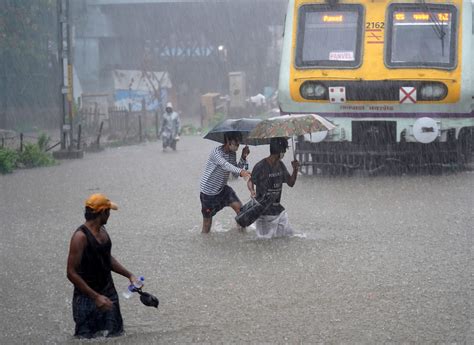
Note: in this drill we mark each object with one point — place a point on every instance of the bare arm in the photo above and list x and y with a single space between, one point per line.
76 248
250 186
292 179
119 269
241 164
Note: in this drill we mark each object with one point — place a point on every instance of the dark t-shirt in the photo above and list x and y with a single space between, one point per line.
269 181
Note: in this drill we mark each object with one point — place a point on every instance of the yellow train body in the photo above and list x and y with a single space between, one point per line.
373 66
376 82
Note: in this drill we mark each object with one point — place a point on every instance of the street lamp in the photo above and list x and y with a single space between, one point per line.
222 52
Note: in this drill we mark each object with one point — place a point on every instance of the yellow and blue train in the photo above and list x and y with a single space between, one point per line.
395 77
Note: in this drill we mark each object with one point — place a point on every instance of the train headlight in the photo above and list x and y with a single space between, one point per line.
311 90
433 92
319 90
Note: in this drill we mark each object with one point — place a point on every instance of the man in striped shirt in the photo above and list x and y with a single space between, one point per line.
215 193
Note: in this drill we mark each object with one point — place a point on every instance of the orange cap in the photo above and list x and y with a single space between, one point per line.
99 202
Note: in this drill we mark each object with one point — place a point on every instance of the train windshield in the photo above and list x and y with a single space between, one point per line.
422 36
329 36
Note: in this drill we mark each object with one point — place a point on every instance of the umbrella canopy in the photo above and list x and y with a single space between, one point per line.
289 126
244 126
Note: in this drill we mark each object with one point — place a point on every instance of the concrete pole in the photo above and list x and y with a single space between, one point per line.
70 72
61 18
65 71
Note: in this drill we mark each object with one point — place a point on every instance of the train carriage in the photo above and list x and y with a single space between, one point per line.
395 77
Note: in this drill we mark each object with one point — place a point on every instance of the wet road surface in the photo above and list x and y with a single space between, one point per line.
377 260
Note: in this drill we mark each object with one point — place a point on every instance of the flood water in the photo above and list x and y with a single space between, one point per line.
377 259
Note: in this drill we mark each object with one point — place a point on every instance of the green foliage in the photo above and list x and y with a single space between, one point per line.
28 49
26 26
8 160
33 156
43 141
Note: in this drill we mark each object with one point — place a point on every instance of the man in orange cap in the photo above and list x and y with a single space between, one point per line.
95 305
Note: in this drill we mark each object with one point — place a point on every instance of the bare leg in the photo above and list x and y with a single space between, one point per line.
236 207
206 225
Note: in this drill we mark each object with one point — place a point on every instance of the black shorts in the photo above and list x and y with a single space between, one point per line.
211 204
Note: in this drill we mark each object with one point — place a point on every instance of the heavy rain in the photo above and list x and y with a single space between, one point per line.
381 210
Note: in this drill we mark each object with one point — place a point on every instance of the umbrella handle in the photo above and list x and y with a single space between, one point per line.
293 147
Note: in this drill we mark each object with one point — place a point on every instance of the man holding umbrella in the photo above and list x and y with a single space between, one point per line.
215 193
269 175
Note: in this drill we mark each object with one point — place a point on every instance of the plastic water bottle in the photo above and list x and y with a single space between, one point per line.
246 167
131 288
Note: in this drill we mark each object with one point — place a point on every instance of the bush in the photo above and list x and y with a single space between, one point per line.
33 156
43 141
8 160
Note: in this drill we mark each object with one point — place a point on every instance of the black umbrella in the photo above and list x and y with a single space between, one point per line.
244 126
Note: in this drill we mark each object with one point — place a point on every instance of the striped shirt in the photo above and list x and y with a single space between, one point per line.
218 167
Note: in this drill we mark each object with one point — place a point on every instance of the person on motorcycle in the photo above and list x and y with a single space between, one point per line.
170 127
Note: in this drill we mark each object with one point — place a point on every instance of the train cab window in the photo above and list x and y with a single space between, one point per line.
329 36
421 35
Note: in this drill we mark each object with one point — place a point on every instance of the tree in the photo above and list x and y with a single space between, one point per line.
28 54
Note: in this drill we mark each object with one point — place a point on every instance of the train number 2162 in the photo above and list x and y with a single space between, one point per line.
374 25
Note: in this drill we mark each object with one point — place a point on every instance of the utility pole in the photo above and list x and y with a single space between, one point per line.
70 73
65 54
62 56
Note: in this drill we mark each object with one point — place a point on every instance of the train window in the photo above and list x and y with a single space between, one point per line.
329 36
421 35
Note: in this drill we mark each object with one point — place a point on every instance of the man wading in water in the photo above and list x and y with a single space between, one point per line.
95 304
215 193
269 175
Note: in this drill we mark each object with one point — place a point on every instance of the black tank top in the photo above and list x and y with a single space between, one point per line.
96 265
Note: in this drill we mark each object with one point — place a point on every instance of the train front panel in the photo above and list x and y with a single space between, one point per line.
399 70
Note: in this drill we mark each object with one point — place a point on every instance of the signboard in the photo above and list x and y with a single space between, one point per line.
421 17
337 94
407 94
131 87
341 56
69 83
